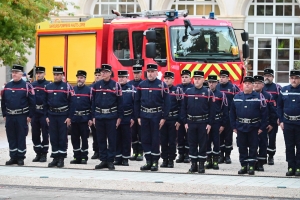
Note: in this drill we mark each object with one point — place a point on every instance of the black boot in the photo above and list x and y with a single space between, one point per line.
243 170
134 155
147 166
194 167
75 161
125 162
259 166
154 166
60 162
95 156
164 164
227 158
251 170
180 158
11 162
118 162
201 168
53 163
186 158
215 163
270 160
297 172
290 172
21 162
83 161
221 158
140 157
171 163
110 166
102 165
208 163
37 158
43 157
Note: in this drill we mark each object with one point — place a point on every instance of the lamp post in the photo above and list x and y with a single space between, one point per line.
150 4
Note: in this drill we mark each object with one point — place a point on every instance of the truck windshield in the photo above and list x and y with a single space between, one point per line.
212 44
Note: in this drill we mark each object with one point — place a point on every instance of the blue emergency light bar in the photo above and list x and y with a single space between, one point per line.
211 15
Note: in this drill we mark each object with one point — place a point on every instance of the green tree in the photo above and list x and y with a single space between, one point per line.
17 26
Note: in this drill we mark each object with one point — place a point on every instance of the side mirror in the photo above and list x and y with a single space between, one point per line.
245 51
151 50
194 32
245 36
150 35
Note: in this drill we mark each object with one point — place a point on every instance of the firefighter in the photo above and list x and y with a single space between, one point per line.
136 128
98 77
18 107
274 89
289 118
168 132
218 125
183 146
58 112
81 119
124 130
248 118
198 113
107 114
152 105
226 136
39 126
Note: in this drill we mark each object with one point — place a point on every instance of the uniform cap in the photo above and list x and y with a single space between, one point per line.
152 67
18 68
122 73
205 84
248 79
212 78
198 73
169 74
137 69
294 73
258 78
269 71
58 70
40 69
106 67
98 70
224 73
81 73
185 72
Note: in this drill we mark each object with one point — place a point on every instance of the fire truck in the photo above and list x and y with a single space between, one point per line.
171 39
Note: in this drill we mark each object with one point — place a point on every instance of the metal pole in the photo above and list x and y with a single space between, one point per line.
150 4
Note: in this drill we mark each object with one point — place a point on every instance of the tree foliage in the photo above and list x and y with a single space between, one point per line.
17 26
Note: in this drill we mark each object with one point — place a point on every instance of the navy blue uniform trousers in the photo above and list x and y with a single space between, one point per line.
80 134
95 141
168 135
272 140
39 128
214 138
262 146
226 139
123 142
106 131
136 137
197 141
16 131
292 140
183 145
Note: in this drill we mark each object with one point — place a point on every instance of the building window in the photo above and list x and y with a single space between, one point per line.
104 7
203 7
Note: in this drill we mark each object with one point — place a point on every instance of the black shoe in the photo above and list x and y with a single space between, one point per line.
201 168
243 170
186 158
259 166
270 160
102 165
154 166
134 155
209 164
147 166
11 162
118 162
125 162
53 163
110 166
291 172
227 159
221 158
20 162
251 170
164 164
215 164
43 157
37 158
83 161
140 157
194 167
75 161
60 162
95 156
297 172
180 158
171 164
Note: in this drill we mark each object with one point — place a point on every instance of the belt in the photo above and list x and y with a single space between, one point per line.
59 109
82 113
248 121
292 118
17 111
173 113
151 110
197 118
106 111
127 112
39 107
218 116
